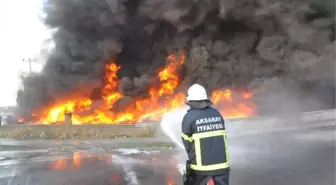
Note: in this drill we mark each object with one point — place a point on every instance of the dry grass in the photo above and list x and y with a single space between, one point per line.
74 132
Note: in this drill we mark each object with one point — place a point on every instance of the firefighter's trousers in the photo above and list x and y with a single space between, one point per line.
218 179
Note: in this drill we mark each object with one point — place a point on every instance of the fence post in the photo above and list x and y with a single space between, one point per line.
68 118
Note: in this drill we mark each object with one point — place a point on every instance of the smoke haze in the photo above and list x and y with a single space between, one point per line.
281 48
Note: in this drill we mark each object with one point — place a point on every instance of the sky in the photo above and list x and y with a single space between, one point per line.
22 36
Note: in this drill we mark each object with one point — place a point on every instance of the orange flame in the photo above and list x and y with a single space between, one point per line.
160 100
20 120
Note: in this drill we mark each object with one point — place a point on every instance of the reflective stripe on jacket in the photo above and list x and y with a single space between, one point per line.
205 140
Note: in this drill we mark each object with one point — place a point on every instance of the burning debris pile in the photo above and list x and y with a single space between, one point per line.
118 61
114 106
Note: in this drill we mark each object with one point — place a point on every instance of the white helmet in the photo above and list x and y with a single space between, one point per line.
196 93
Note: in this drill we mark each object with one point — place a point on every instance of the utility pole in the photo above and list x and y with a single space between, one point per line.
30 63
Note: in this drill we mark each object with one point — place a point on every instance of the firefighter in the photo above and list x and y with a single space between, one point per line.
205 141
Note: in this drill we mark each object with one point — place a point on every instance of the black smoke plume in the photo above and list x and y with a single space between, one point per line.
260 44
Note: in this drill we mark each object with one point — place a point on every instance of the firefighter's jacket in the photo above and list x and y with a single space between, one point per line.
205 140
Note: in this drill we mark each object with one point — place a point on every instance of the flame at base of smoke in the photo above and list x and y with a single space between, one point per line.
160 99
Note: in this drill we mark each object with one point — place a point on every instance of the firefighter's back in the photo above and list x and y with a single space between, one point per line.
209 135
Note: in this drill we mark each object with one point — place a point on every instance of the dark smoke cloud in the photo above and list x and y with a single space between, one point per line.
227 43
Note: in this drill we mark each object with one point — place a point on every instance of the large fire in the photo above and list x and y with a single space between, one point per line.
161 99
